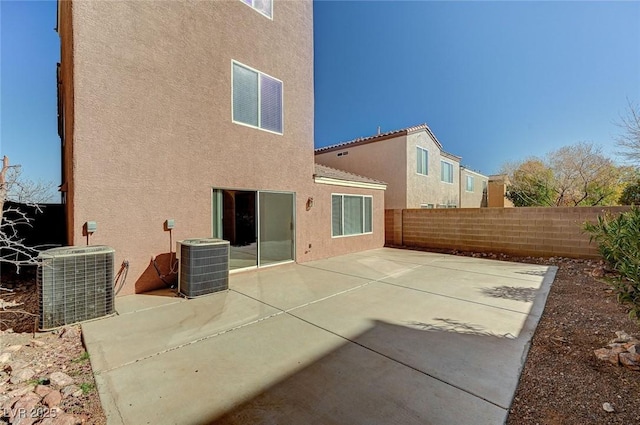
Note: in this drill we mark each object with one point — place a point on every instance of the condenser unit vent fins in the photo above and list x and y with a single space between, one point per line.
74 284
204 266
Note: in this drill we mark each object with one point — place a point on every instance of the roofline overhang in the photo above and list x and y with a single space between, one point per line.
468 170
385 136
348 183
355 143
450 156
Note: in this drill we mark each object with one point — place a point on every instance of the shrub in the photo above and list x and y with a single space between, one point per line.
618 239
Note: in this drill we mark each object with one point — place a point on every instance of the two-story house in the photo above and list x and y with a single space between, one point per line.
413 163
201 113
473 188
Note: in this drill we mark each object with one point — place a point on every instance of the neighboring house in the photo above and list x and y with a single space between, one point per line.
473 188
497 191
200 112
418 172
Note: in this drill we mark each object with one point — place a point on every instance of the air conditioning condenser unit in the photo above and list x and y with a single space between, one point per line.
74 284
204 266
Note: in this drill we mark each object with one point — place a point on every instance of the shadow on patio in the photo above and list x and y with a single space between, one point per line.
354 384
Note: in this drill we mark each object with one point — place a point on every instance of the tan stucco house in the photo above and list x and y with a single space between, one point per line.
413 163
473 188
201 113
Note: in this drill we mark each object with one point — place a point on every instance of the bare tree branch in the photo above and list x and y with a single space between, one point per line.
14 188
629 140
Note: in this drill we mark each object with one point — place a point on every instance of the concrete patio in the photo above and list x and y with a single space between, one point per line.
380 337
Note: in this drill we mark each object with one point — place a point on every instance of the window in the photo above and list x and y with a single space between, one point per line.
263 6
350 215
257 99
446 172
423 161
470 184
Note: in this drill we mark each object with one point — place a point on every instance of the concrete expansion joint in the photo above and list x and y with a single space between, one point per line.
195 341
434 265
178 300
350 289
456 298
361 277
328 297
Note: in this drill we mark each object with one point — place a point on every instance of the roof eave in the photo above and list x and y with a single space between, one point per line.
469 170
349 183
365 141
450 156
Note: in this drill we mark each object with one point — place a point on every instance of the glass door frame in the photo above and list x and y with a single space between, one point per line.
293 231
217 208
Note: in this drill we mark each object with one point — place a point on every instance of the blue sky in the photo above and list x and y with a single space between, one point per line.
29 51
495 81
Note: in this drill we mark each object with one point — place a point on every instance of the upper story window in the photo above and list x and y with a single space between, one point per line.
263 6
257 99
470 184
446 172
423 161
351 215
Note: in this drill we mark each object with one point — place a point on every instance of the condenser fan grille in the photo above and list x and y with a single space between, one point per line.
204 267
74 284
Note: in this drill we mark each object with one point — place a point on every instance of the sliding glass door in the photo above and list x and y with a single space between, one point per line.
276 227
260 226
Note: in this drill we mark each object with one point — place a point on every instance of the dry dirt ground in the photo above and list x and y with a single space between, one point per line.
562 381
44 353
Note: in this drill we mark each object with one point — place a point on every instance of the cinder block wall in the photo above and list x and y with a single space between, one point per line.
536 231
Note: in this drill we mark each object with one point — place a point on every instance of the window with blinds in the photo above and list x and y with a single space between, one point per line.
423 161
257 99
351 215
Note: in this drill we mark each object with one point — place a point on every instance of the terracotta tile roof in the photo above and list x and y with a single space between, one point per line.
334 173
382 136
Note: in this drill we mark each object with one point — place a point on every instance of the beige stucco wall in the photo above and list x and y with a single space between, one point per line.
394 161
429 189
472 199
383 160
323 244
153 132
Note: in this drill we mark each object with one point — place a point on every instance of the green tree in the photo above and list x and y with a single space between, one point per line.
573 175
631 194
531 184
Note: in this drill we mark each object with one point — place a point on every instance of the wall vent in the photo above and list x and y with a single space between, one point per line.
74 284
204 266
